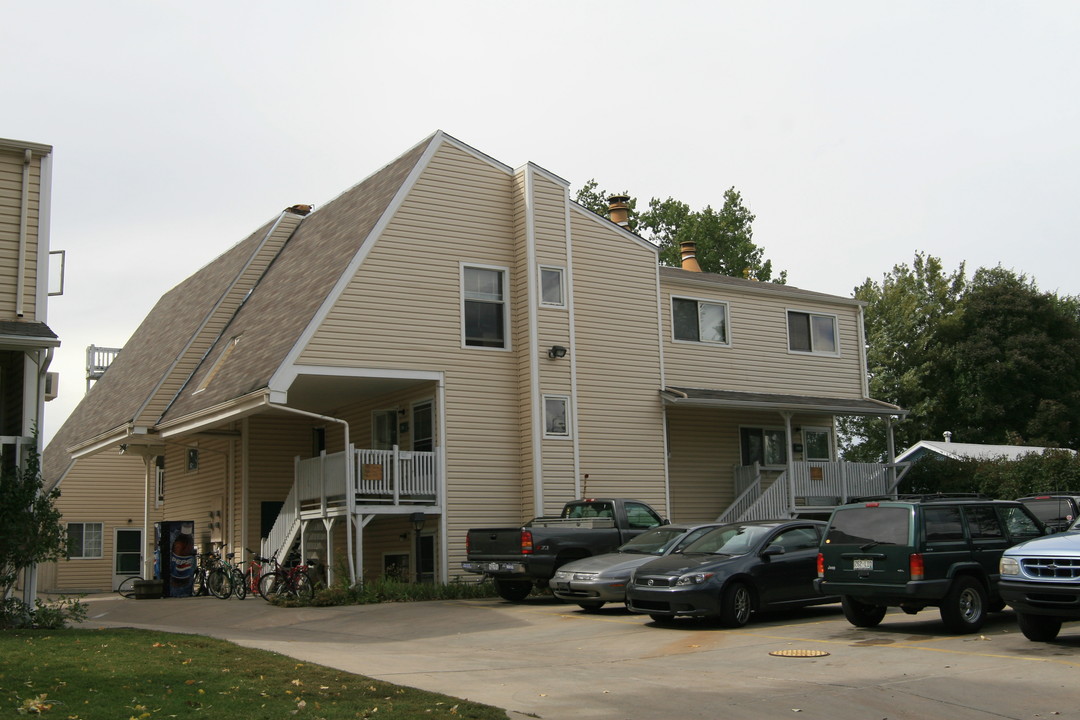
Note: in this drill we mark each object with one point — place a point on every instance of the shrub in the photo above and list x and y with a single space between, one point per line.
15 614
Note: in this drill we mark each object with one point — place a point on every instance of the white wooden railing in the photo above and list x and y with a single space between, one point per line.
810 485
396 476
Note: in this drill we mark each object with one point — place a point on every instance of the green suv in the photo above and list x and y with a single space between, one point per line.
915 552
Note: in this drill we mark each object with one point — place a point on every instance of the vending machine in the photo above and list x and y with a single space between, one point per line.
174 557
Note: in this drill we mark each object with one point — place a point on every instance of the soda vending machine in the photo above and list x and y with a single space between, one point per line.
174 557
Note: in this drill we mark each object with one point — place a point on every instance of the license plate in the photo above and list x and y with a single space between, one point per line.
562 586
863 564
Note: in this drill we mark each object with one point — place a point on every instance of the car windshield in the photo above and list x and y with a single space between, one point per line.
653 542
736 539
1052 511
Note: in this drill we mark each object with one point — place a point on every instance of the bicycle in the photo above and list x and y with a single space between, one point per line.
293 581
254 572
126 589
237 581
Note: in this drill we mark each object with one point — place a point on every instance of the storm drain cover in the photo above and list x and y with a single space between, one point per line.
799 653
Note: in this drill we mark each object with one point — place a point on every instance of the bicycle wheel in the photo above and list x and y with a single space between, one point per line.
303 586
219 584
127 588
239 584
273 584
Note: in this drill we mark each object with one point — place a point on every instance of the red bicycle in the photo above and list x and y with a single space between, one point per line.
293 580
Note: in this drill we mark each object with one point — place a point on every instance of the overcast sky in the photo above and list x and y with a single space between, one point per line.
857 132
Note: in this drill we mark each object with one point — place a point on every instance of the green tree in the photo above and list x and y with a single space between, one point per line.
903 312
991 360
30 527
1013 358
723 239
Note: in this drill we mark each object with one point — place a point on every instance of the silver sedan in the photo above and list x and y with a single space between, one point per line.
593 581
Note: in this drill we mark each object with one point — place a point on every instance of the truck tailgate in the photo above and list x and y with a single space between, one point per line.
494 542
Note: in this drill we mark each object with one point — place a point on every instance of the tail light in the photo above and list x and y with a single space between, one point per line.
820 565
916 567
526 542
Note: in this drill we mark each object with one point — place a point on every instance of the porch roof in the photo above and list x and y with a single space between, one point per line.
770 401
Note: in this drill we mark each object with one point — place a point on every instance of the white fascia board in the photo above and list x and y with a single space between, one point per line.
546 173
216 415
111 438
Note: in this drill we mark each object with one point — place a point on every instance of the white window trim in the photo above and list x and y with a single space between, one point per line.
778 428
818 429
727 318
562 304
569 417
101 545
812 314
506 304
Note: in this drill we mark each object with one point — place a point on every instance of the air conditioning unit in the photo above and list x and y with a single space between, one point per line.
52 385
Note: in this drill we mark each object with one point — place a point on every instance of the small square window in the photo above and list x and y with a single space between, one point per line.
556 416
551 287
192 459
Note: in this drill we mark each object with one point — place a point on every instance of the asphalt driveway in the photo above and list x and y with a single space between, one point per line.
545 659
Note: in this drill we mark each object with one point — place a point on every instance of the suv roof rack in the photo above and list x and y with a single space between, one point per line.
921 497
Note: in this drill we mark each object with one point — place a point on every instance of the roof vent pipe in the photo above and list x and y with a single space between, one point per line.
688 252
619 210
948 436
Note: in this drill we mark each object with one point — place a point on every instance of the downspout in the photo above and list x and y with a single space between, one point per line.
24 211
790 464
350 494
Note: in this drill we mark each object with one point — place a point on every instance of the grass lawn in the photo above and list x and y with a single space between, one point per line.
142 674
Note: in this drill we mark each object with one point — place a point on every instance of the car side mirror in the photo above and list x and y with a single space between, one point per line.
773 550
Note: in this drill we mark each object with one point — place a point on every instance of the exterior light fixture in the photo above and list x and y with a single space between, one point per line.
417 519
556 351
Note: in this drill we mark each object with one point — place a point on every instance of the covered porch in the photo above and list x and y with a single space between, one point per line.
354 487
781 450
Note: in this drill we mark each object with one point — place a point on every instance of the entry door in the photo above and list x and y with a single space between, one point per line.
127 559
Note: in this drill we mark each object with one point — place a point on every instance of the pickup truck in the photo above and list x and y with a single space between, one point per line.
521 558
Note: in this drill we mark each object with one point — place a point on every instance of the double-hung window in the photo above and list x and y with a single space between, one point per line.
484 311
84 540
812 333
817 444
699 321
766 446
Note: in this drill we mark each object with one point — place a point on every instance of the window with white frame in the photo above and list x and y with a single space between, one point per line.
556 416
812 333
84 540
699 321
484 312
766 446
552 293
817 444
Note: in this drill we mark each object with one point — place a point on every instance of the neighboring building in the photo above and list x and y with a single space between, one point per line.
26 342
969 451
489 348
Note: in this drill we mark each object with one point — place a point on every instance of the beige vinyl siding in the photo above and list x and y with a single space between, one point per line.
274 443
706 447
526 362
616 351
402 311
108 488
758 359
550 209
193 494
11 194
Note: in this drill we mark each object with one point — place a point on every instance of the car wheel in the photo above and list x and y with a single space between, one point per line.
1039 628
964 608
736 605
513 590
591 606
861 614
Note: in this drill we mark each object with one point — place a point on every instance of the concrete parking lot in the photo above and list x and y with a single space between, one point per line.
549 660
